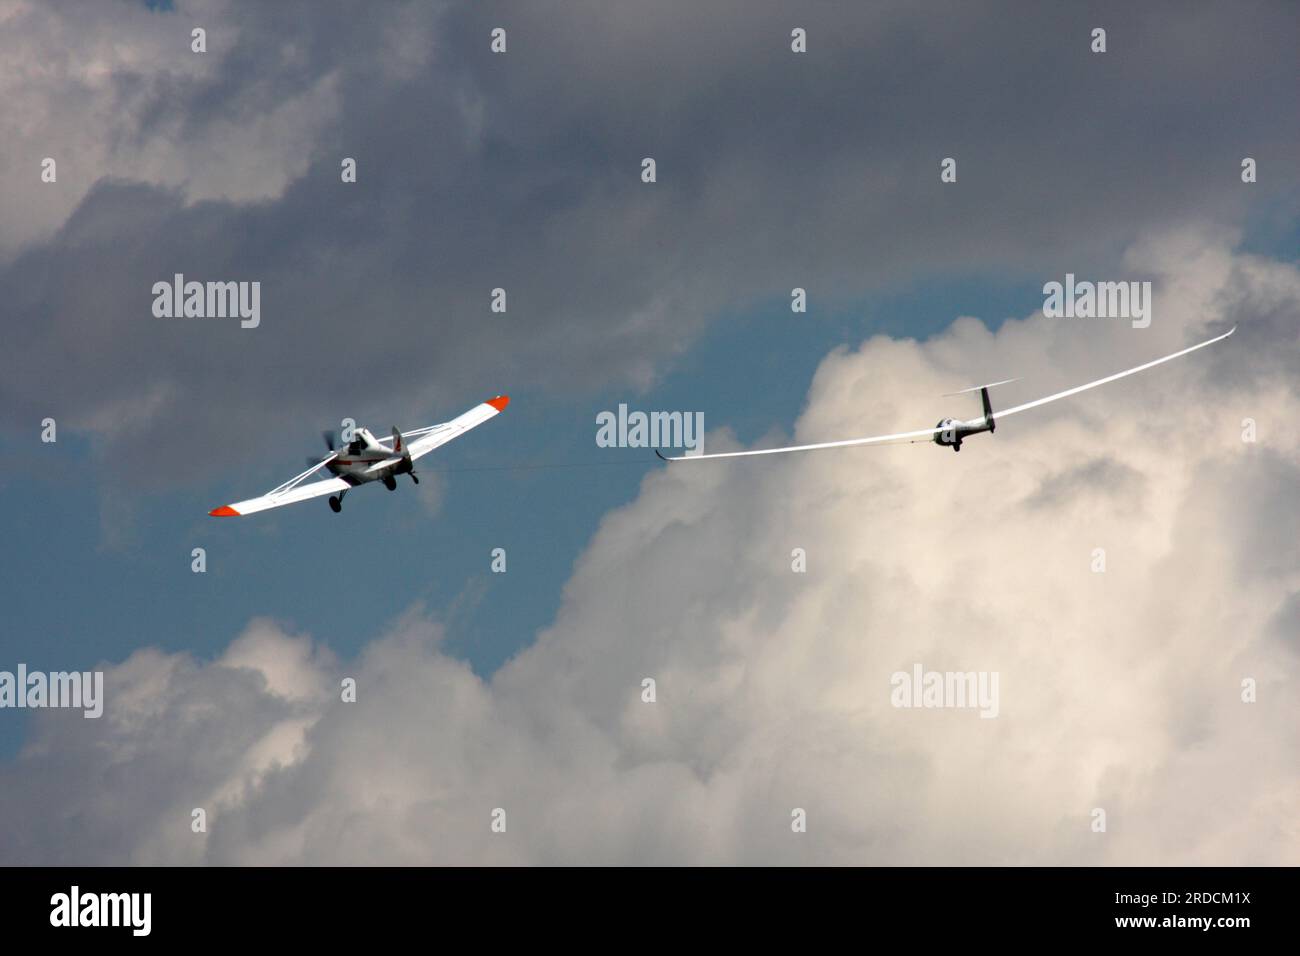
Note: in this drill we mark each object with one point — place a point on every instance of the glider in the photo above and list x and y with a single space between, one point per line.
951 432
365 459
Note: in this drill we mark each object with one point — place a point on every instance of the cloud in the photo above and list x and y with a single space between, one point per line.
1118 690
104 90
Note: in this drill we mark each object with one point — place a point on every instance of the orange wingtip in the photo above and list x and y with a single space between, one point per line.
500 402
225 511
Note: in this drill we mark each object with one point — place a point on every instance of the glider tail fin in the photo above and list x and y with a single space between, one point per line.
988 408
984 397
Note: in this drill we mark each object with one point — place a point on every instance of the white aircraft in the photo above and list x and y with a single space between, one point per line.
951 432
365 459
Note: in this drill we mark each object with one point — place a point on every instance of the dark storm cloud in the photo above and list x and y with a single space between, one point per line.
522 171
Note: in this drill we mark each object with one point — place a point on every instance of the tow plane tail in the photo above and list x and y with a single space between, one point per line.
407 467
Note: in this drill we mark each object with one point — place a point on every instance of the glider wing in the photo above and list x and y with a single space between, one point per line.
1003 413
923 433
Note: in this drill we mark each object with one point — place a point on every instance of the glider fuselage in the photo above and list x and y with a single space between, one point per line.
950 432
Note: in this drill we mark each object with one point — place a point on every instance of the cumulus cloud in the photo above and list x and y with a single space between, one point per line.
100 88
1118 690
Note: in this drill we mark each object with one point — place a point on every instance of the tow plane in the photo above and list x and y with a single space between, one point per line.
365 459
952 432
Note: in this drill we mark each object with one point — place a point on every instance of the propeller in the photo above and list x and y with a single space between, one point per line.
331 442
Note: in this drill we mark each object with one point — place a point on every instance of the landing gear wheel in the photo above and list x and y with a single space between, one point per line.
335 504
390 483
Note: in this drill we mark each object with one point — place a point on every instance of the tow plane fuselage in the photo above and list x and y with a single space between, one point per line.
364 459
